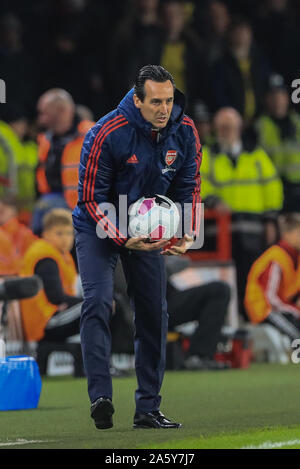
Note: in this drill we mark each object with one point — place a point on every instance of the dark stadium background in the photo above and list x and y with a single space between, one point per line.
72 44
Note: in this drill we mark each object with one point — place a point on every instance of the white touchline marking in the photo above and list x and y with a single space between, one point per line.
21 441
270 445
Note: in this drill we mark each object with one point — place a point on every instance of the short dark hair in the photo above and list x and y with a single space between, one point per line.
151 72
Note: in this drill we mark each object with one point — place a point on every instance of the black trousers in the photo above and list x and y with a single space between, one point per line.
63 324
206 304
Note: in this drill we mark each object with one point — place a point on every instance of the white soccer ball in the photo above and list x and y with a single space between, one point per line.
156 217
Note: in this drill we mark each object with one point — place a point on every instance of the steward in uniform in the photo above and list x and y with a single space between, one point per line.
273 285
242 180
59 157
59 150
278 132
18 161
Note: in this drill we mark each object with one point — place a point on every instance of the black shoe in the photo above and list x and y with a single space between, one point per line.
153 420
102 411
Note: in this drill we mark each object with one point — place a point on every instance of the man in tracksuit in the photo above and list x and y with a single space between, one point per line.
146 146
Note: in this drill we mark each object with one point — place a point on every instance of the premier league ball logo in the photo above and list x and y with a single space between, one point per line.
156 217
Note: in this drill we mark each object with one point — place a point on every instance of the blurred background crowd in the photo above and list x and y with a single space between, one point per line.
68 62
205 44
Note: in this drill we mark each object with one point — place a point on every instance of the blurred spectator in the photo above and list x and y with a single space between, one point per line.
53 314
215 30
169 42
8 167
18 159
241 180
272 293
61 69
278 132
207 305
202 119
17 68
20 235
59 152
182 52
246 9
277 31
137 42
239 78
84 113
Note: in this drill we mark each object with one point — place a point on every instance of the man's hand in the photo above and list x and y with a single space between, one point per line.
180 247
142 244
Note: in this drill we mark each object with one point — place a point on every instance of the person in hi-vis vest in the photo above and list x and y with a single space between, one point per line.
273 285
53 314
240 179
59 148
278 132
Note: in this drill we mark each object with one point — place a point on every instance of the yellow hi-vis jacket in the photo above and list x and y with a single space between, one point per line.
250 185
285 153
18 161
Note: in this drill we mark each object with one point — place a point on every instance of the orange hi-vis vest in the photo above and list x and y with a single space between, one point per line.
20 235
9 259
256 303
69 164
37 311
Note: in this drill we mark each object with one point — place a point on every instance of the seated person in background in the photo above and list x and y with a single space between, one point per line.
20 235
273 285
238 178
207 304
54 313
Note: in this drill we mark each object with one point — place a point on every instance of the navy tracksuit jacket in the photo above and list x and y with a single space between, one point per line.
119 157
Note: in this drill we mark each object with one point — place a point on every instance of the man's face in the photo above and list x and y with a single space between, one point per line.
278 103
158 103
241 37
60 236
227 128
174 17
47 114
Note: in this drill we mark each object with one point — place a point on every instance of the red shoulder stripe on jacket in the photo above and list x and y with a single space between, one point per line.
94 170
92 153
91 204
92 208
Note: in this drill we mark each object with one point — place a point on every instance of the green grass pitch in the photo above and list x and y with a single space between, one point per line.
257 408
